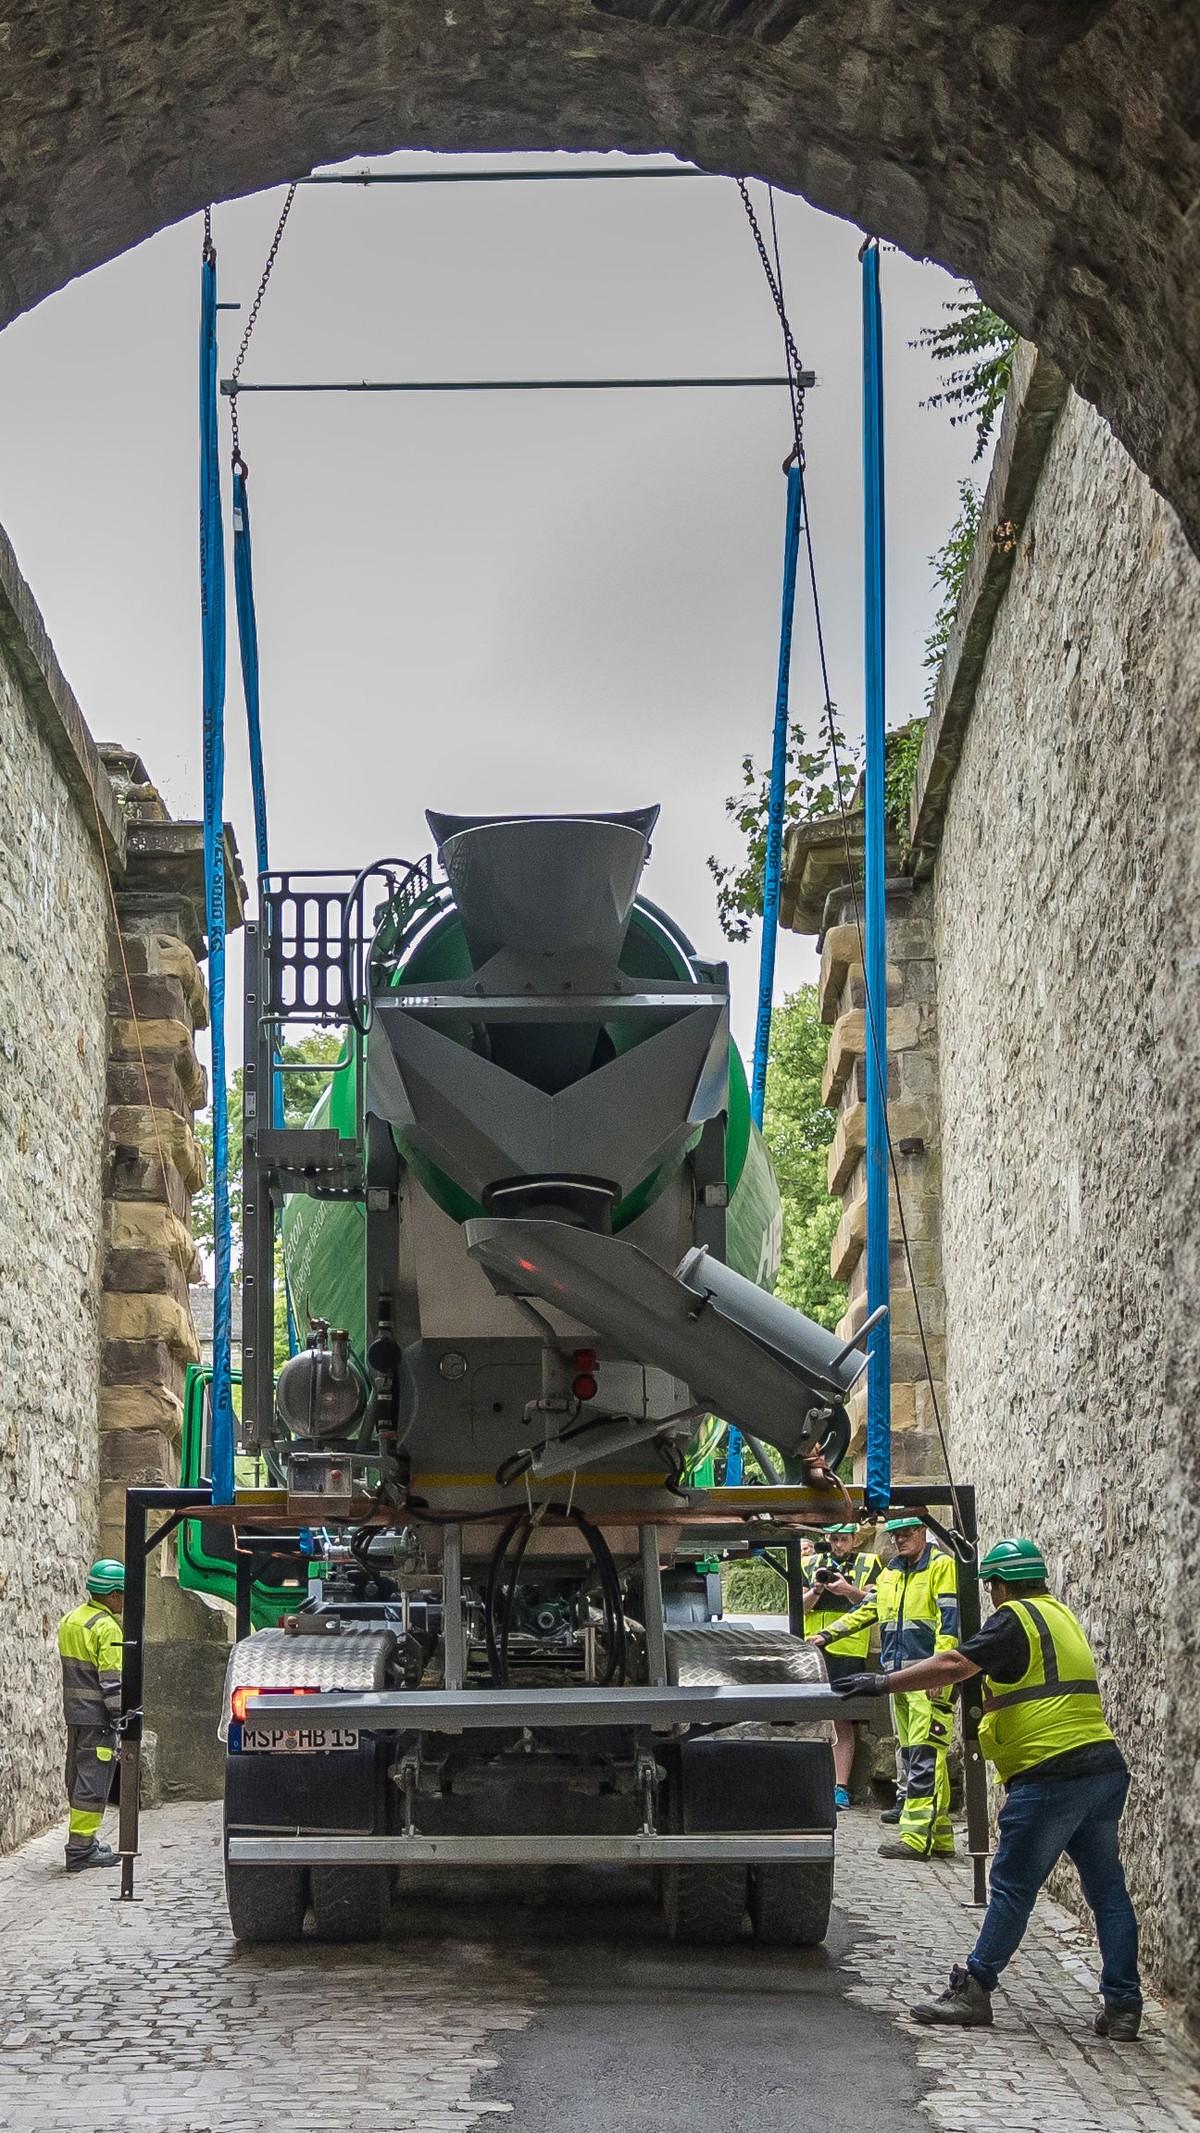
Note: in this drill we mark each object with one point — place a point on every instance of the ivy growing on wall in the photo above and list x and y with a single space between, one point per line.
949 567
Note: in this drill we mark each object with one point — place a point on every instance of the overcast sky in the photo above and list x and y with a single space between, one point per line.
469 602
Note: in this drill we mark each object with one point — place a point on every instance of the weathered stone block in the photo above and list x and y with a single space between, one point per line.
149 998
150 1319
131 1041
137 1458
141 1362
145 1407
846 1044
132 1272
146 1226
137 1174
850 1240
847 1145
150 1134
150 1080
173 958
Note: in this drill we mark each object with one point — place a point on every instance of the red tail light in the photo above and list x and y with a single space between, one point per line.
241 1697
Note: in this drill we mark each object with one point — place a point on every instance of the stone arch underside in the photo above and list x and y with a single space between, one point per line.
1046 149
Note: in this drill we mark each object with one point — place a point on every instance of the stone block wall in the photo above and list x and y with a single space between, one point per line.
1066 891
54 927
913 1118
101 903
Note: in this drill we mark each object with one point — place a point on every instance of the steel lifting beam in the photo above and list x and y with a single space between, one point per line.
233 388
464 1710
499 177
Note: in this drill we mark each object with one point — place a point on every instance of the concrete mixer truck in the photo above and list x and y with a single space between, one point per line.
529 1236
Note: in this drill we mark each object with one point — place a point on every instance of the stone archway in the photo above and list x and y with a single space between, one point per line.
1045 148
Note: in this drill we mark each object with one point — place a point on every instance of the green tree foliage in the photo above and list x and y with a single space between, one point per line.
949 567
798 1129
753 1588
811 790
975 347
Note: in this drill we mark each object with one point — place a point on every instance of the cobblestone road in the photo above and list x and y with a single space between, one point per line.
1038 2069
149 2019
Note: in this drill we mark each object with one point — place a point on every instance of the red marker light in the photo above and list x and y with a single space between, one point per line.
583 1384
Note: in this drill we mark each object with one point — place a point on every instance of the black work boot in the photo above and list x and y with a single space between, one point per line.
1119 2024
965 2004
100 1855
892 1814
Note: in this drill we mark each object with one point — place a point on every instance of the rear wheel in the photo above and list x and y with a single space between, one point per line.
705 1905
266 1903
350 1902
790 1905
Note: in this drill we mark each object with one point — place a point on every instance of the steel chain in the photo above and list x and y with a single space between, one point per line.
795 367
252 320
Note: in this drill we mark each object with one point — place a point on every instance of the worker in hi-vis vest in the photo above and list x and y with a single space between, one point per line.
842 1576
1065 1782
916 1606
91 1648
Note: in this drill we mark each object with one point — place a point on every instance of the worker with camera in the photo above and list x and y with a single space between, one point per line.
1066 1783
916 1606
842 1576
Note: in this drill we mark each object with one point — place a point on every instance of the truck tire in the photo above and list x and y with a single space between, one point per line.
350 1902
705 1905
266 1903
790 1905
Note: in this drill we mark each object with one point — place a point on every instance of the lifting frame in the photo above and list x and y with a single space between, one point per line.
260 1530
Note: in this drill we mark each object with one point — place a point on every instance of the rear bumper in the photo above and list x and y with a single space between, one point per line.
731 1848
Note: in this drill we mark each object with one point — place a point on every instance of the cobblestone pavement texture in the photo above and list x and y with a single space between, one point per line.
1039 2069
149 2017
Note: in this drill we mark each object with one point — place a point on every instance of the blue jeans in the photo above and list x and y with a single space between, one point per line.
1038 1823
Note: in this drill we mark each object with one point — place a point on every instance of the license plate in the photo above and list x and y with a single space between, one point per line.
297 1740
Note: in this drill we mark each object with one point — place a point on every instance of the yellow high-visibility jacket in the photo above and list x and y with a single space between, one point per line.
91 1647
1055 1706
916 1607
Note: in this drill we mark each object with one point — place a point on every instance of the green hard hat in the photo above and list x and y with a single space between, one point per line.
902 1525
106 1576
1018 1562
841 1529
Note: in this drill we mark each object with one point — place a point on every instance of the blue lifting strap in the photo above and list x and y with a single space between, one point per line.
243 586
212 613
879 1368
247 622
773 868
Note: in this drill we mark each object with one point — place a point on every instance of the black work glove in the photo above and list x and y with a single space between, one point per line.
860 1685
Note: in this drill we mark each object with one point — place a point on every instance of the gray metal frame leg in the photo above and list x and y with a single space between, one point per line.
652 1609
453 1641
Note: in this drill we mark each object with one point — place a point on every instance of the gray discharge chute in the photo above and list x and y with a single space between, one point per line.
746 1356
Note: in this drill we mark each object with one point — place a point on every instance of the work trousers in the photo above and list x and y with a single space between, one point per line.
89 1777
1038 1823
924 1725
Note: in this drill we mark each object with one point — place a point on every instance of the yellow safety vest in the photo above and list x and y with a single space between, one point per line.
916 1607
1055 1706
862 1570
91 1646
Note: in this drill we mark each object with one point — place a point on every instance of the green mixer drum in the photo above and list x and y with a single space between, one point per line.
324 1242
